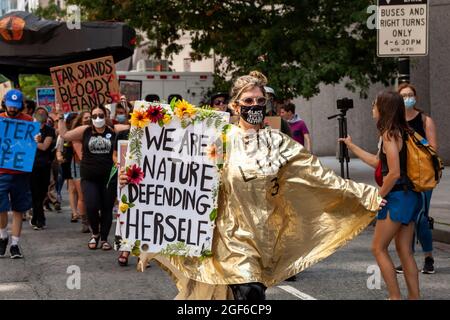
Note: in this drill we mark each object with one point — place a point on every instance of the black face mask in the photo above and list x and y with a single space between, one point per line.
254 114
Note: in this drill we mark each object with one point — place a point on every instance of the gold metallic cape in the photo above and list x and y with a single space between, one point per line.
272 222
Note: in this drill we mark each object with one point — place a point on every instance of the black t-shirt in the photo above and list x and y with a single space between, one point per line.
417 125
44 158
97 154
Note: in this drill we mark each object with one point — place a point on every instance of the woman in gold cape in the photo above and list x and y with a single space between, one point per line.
280 211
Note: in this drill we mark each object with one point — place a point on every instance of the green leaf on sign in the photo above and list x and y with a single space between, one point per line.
124 198
213 215
131 205
136 251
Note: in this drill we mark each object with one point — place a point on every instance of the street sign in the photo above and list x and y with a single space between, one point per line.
402 28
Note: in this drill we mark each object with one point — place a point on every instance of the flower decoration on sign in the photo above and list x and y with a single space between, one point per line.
155 114
184 109
135 174
214 153
139 118
124 204
166 119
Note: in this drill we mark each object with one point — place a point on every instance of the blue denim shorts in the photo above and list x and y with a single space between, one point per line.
402 206
15 192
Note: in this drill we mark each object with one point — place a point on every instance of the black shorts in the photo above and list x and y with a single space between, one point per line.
66 172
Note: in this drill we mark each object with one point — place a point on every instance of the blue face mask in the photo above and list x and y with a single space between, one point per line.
410 102
121 118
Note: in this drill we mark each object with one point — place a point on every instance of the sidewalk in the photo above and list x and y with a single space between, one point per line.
440 202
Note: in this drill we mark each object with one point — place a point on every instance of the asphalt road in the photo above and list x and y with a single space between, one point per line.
55 256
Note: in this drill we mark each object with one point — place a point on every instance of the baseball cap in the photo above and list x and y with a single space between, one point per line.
269 90
14 99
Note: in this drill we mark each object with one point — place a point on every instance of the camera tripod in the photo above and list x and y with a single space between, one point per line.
343 150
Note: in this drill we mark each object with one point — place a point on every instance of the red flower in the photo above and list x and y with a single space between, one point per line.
135 174
155 114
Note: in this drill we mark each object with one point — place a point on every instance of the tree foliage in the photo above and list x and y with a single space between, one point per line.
298 44
29 83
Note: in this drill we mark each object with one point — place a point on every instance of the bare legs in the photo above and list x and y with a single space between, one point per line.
385 231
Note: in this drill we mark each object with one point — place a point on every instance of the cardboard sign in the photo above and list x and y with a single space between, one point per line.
173 208
402 28
132 89
46 98
17 144
83 85
273 122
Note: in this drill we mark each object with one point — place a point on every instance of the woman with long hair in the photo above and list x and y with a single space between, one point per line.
424 125
95 167
397 219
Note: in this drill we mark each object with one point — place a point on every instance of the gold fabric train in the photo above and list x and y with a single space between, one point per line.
272 222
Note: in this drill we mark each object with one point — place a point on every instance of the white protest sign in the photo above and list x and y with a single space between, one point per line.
174 161
402 28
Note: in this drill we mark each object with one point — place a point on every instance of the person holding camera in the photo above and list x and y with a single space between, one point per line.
397 219
424 126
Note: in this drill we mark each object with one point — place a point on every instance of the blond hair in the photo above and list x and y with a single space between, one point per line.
245 83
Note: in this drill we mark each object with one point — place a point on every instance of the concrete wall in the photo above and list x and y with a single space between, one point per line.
432 74
360 124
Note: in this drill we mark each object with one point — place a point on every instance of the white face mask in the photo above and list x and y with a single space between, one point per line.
98 123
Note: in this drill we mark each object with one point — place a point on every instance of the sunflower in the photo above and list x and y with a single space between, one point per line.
155 113
139 119
184 108
166 119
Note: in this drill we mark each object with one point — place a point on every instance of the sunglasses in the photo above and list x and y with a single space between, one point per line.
220 102
95 116
260 101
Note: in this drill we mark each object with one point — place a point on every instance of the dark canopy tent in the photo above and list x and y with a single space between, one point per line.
29 45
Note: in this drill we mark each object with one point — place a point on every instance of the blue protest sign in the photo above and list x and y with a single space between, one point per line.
46 98
17 144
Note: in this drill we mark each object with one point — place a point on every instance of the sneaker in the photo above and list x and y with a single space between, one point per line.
399 269
428 266
57 206
15 252
39 226
3 245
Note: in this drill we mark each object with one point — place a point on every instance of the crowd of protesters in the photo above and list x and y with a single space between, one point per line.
79 149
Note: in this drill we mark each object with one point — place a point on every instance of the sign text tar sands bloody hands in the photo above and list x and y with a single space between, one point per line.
83 85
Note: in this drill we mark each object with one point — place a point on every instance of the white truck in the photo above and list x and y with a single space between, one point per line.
162 86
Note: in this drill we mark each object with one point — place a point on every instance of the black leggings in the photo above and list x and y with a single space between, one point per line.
99 202
40 180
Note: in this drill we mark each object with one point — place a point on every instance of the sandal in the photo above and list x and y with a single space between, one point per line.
123 258
105 246
74 218
93 243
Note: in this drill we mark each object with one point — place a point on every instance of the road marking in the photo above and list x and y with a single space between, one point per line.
297 293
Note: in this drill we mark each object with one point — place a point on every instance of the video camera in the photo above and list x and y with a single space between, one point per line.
344 104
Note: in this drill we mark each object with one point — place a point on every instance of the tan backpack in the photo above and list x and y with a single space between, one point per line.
423 165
